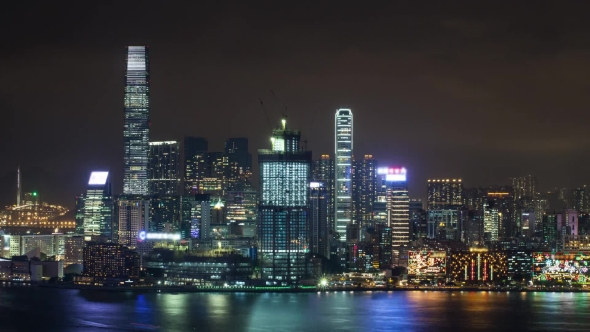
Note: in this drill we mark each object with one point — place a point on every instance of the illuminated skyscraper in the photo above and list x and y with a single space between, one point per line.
364 189
490 222
98 207
137 118
525 187
133 217
318 214
445 194
282 229
394 183
196 163
164 168
343 171
323 171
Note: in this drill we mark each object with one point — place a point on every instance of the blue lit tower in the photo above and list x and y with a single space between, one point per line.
343 171
136 127
282 212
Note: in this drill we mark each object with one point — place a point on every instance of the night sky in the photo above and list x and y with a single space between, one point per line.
446 89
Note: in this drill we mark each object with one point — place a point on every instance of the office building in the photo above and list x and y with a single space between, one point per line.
196 163
164 214
567 222
137 117
319 237
164 168
393 182
323 171
444 224
343 145
364 190
236 149
445 194
490 222
418 220
196 216
98 207
549 224
285 170
241 207
133 217
79 214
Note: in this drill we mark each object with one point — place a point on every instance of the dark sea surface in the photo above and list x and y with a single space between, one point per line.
38 309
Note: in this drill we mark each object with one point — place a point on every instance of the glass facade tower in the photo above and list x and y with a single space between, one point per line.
343 171
282 229
98 207
136 127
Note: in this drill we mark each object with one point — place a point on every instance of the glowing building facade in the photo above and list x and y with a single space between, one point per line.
137 117
343 171
282 228
98 207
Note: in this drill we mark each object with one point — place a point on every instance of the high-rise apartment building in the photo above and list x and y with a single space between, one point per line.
580 199
196 163
98 207
164 168
364 189
445 194
525 187
137 117
285 170
343 144
319 239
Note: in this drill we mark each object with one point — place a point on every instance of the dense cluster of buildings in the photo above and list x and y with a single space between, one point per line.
190 216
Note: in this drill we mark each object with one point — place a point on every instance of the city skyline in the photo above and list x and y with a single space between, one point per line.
429 91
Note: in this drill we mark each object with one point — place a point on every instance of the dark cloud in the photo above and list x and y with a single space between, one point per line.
482 91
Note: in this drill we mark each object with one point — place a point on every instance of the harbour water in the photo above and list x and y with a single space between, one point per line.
29 308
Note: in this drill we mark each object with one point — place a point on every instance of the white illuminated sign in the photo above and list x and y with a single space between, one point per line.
315 184
98 177
395 177
160 236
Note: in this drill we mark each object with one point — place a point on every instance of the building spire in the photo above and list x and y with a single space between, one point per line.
18 186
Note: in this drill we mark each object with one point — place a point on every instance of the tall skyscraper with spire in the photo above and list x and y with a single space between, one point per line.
343 171
137 117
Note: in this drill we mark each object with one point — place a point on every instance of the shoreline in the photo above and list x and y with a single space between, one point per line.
294 290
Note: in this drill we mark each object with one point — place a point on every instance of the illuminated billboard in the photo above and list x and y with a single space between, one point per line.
561 266
478 265
143 235
97 178
393 174
315 184
427 263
